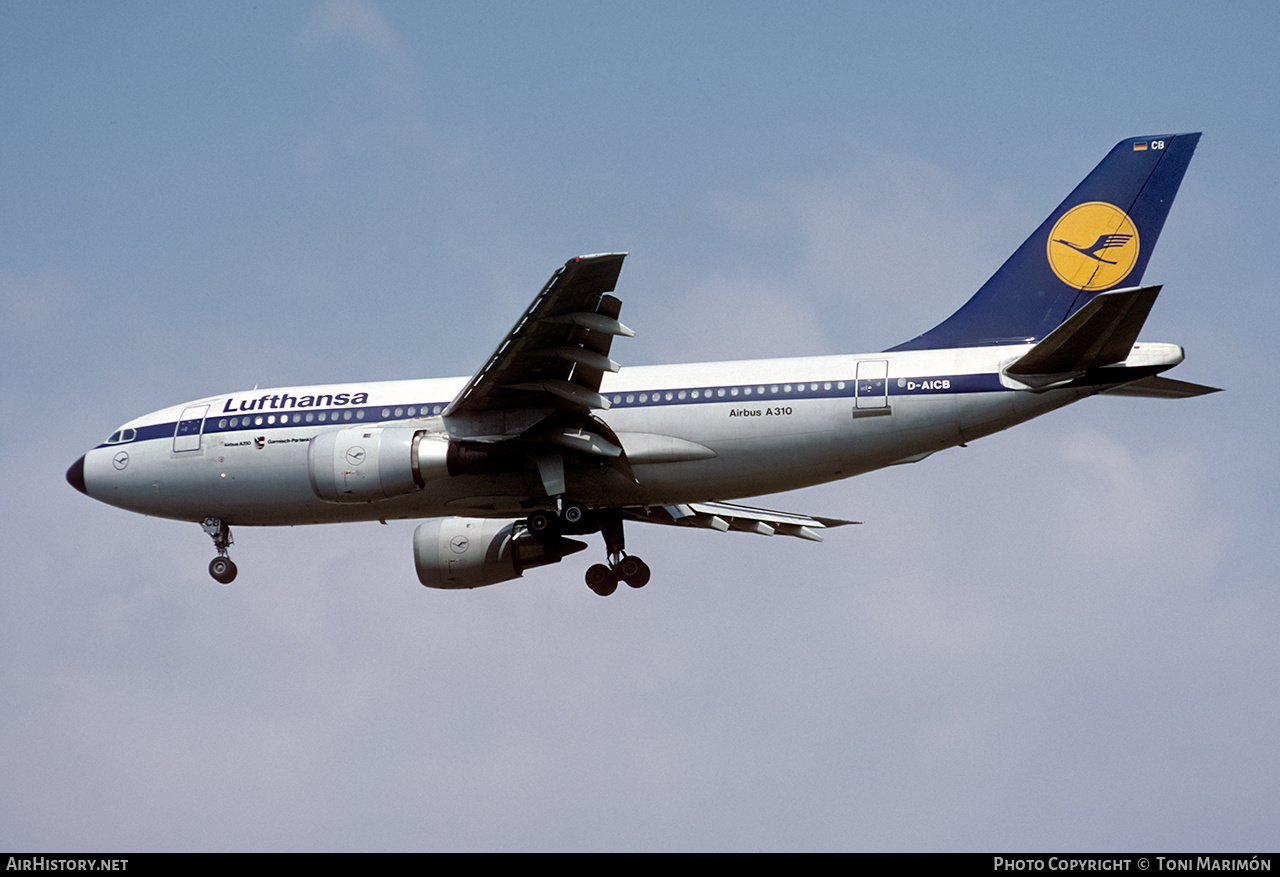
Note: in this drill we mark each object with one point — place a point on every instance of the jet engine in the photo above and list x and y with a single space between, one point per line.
472 552
375 462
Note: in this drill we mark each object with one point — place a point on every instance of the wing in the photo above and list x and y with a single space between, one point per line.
725 516
551 361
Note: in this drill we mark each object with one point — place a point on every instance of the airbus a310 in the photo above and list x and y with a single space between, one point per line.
552 439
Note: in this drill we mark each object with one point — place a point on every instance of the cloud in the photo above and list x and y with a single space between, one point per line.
373 101
359 22
881 245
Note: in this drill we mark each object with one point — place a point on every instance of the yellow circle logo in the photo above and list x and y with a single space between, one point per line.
1093 246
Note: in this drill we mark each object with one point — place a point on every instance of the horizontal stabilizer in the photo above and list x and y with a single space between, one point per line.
1100 333
1156 387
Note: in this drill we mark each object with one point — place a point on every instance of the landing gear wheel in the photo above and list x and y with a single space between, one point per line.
222 570
573 514
221 567
633 571
602 580
542 525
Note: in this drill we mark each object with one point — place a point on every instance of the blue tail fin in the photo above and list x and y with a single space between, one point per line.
1099 238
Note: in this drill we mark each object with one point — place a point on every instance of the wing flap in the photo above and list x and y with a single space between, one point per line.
725 516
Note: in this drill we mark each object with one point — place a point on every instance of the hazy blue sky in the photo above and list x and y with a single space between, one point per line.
1061 637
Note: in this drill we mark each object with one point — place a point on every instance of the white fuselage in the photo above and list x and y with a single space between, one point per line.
694 432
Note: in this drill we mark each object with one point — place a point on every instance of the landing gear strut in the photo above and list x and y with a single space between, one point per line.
603 579
574 517
221 567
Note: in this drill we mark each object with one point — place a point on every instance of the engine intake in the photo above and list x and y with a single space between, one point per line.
472 552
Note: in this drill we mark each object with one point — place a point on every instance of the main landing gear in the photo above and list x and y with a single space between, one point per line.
221 567
630 569
573 517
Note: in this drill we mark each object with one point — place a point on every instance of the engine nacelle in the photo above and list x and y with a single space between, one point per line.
369 463
473 552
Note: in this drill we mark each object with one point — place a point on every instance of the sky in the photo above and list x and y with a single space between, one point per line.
1061 637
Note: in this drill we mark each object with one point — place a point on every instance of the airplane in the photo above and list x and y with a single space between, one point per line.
552 439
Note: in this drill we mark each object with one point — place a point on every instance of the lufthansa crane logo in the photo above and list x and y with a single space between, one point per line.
1093 246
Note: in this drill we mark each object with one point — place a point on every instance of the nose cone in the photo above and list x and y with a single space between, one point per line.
75 476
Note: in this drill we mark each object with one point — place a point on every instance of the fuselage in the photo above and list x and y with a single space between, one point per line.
551 434
693 432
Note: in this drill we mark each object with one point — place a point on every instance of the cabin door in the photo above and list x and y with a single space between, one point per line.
873 384
190 426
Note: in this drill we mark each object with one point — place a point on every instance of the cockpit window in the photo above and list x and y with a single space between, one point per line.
121 436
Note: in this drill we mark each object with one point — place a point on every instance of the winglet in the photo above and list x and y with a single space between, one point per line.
1099 238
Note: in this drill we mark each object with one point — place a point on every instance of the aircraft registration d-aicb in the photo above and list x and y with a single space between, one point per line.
552 439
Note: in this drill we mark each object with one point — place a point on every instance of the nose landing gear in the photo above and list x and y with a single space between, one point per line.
221 567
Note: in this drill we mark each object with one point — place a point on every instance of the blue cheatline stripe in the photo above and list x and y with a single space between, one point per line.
700 395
